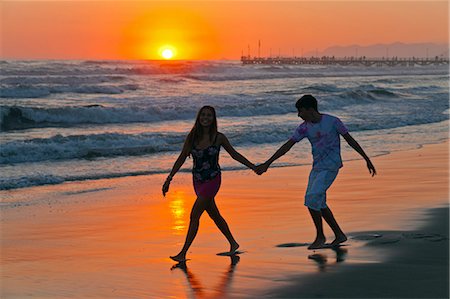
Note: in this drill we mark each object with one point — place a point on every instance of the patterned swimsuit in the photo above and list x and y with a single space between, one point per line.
206 171
206 163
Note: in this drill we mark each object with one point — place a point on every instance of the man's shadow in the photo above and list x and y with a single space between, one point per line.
197 287
322 259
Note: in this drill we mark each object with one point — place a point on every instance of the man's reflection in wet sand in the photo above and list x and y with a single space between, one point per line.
322 259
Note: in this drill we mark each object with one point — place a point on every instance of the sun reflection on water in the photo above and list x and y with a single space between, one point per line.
178 210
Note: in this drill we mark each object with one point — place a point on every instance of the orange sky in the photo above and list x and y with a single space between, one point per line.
209 30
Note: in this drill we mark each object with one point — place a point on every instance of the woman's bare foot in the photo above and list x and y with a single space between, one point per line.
318 243
179 257
339 239
234 247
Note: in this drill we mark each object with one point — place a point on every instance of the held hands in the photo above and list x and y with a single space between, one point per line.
260 169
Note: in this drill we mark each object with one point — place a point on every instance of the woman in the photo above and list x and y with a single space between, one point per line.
203 143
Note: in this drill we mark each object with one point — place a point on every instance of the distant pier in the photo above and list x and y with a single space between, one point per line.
355 61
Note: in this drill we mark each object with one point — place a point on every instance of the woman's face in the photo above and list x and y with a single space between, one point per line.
206 117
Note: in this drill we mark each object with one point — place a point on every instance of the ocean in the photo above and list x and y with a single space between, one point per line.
85 120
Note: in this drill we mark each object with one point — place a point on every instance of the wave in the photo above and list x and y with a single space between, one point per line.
96 68
61 147
91 146
369 93
47 176
322 88
171 80
48 179
243 73
17 117
29 91
68 80
145 110
201 70
113 144
20 117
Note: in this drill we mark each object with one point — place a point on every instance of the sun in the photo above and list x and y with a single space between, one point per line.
167 52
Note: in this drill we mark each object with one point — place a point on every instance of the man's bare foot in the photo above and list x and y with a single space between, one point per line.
339 239
179 257
318 243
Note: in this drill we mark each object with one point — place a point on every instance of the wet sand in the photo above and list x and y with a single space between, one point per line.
112 238
416 266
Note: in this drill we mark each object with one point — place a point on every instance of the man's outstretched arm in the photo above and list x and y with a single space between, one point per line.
355 145
260 169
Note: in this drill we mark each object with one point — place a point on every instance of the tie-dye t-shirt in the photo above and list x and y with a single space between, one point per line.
325 141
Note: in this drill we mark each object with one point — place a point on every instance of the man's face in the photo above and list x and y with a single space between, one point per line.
305 114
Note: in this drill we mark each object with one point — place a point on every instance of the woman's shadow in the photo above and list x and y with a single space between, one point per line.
196 286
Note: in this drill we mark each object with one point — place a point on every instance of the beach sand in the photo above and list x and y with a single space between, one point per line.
416 267
112 238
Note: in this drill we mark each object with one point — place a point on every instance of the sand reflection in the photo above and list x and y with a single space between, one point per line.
198 291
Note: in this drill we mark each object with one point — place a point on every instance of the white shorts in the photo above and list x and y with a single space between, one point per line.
318 184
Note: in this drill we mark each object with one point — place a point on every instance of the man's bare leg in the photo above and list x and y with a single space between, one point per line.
329 218
320 237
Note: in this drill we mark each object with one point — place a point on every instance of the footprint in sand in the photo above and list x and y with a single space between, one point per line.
425 236
366 237
385 240
378 239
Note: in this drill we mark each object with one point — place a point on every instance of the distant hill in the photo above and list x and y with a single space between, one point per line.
421 50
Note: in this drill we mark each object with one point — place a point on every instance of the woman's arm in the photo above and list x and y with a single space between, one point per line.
233 153
355 145
178 163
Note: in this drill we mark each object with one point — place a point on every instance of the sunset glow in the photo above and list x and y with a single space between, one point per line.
211 30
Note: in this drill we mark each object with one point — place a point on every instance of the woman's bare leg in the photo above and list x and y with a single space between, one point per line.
214 213
196 212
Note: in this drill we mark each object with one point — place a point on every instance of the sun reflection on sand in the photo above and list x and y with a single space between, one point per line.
178 210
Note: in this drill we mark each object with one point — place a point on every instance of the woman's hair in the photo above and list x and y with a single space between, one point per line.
197 130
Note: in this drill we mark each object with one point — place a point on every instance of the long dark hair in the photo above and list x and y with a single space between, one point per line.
197 130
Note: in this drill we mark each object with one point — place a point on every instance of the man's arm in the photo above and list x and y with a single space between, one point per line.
260 169
355 145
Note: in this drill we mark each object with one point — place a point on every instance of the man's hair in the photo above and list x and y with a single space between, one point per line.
307 101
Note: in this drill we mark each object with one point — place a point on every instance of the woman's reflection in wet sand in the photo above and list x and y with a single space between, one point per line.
222 287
